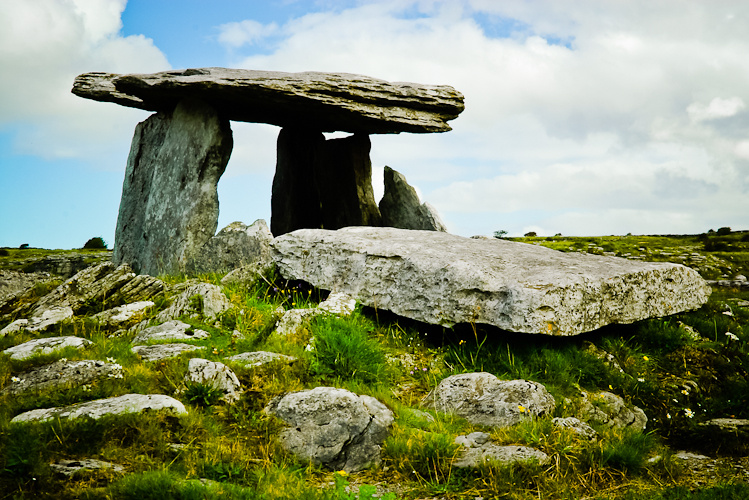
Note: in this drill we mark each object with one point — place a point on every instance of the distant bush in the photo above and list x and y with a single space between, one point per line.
23 246
530 234
745 238
724 231
96 243
500 234
4 252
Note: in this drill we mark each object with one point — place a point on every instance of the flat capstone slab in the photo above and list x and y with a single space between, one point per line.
44 346
325 102
444 279
120 405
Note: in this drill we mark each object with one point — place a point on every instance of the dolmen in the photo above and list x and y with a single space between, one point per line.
169 205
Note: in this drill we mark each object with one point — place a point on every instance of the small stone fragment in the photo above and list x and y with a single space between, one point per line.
258 358
171 330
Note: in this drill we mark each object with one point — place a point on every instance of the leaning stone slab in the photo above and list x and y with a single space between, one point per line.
45 346
326 102
217 375
199 299
171 330
577 426
120 405
445 279
400 206
259 358
483 399
149 353
61 374
333 427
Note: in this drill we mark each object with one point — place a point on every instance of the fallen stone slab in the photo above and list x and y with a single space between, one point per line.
45 346
149 353
483 399
340 304
327 102
738 427
61 374
120 405
217 375
259 358
444 279
171 330
69 468
333 427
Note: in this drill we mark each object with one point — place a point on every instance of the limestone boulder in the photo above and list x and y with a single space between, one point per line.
445 279
150 353
235 246
47 345
321 101
333 427
294 321
215 374
40 323
169 205
577 426
477 449
259 358
337 303
483 399
66 265
170 330
62 374
123 315
120 405
69 468
609 410
400 206
198 300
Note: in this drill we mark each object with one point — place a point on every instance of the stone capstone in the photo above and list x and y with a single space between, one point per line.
171 330
169 205
149 353
215 374
197 300
61 374
235 246
445 279
609 410
477 449
400 206
259 358
322 101
120 405
483 399
48 345
333 427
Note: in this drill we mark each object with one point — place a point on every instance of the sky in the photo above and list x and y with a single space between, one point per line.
582 117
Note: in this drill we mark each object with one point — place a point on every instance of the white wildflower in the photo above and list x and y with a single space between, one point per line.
732 336
689 413
15 379
641 379
111 360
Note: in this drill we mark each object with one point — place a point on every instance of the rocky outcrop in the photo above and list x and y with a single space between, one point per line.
483 399
333 427
44 346
321 101
609 410
120 405
400 206
169 205
235 246
123 315
198 300
62 374
214 374
46 319
150 353
322 183
171 330
477 450
445 279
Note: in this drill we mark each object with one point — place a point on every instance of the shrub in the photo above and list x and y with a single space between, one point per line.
500 234
530 234
96 243
4 252
724 231
23 246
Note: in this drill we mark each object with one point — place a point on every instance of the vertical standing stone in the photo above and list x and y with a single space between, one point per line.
322 184
169 206
400 206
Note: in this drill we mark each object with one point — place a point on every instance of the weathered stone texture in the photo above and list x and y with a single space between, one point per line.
149 353
235 246
47 345
171 330
217 375
169 205
120 405
441 278
322 101
61 374
400 206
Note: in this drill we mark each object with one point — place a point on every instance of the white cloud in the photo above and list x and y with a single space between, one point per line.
718 108
44 45
247 32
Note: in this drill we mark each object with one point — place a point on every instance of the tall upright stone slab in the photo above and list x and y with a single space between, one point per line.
169 205
400 206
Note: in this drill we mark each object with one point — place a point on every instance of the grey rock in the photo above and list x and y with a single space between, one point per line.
234 246
45 346
340 304
444 279
61 374
66 265
169 205
120 405
333 427
247 275
13 283
322 183
732 426
259 358
610 410
69 468
400 206
197 300
150 353
171 330
483 399
478 450
294 320
40 323
123 315
217 375
577 426
321 101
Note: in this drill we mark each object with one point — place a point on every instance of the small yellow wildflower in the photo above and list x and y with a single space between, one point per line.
342 473
646 358
521 408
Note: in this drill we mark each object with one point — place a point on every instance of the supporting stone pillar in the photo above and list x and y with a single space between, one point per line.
322 184
169 205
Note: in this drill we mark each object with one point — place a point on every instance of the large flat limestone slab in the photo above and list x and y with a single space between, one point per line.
325 102
120 405
445 279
